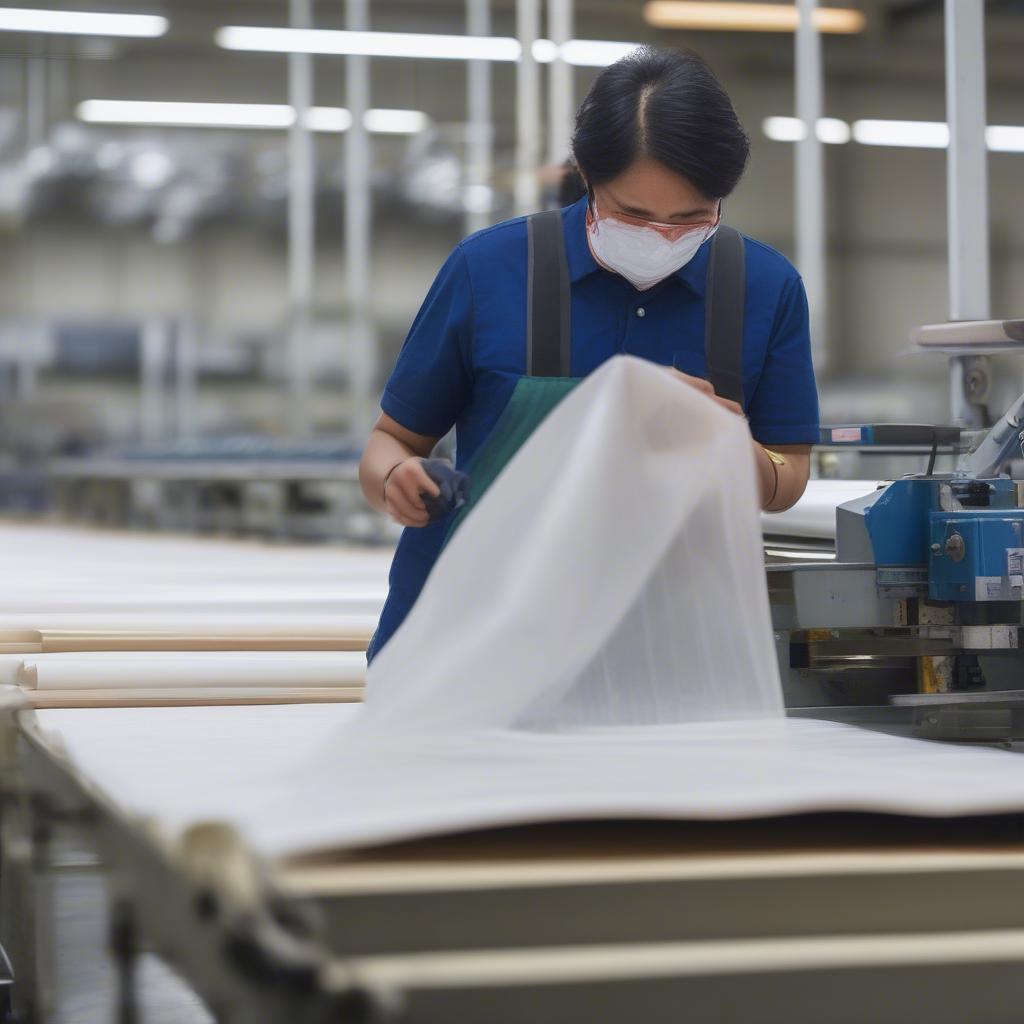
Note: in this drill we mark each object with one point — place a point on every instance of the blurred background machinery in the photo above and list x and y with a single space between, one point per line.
218 221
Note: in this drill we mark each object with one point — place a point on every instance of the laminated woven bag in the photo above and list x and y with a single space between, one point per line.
611 575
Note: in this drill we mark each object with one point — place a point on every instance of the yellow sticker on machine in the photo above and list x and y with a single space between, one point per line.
935 674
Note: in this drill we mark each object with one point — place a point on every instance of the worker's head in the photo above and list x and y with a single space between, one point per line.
657 138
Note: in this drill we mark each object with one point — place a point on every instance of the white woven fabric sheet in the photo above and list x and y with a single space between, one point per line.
595 642
814 515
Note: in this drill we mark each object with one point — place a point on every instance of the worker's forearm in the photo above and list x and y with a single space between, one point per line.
781 483
383 452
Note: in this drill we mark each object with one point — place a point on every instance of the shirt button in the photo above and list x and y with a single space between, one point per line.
641 311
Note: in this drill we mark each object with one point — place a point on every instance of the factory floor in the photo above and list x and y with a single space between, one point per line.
85 987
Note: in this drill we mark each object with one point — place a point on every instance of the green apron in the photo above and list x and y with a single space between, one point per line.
549 344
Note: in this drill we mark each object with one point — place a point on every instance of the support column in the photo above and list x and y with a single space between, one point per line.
152 379
561 100
301 240
528 110
967 192
36 100
31 343
809 194
185 378
362 361
480 137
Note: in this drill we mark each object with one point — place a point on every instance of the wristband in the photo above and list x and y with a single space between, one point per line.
775 488
387 477
776 460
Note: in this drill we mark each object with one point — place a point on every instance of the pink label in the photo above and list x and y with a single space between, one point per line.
846 434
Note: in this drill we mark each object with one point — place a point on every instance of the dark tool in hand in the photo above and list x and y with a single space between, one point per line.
454 489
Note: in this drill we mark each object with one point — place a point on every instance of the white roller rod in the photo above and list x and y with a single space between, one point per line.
185 669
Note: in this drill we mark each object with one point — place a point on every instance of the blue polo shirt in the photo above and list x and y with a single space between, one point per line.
466 350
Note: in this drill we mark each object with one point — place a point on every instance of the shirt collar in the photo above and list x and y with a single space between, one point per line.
577 250
695 274
581 260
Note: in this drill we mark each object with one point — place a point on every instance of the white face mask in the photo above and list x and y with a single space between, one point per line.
644 252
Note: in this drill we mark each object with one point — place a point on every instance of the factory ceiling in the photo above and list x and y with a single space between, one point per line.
895 41
51 164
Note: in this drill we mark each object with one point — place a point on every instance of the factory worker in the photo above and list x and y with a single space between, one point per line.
642 264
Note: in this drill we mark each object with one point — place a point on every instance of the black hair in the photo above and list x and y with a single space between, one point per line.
668 105
570 185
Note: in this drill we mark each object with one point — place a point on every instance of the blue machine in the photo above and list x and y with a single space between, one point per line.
967 529
968 534
923 603
976 555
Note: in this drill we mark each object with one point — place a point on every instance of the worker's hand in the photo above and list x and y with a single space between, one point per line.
704 386
402 493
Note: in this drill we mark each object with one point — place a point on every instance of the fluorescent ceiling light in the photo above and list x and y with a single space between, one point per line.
544 51
197 115
580 52
748 17
595 53
369 44
784 129
246 115
80 23
395 122
831 130
913 134
1001 138
1005 138
327 119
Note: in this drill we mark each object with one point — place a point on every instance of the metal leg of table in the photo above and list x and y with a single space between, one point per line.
124 952
26 919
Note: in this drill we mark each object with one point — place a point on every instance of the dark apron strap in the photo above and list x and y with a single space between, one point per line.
723 314
548 326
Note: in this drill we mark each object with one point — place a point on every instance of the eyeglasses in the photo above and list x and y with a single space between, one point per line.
670 232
